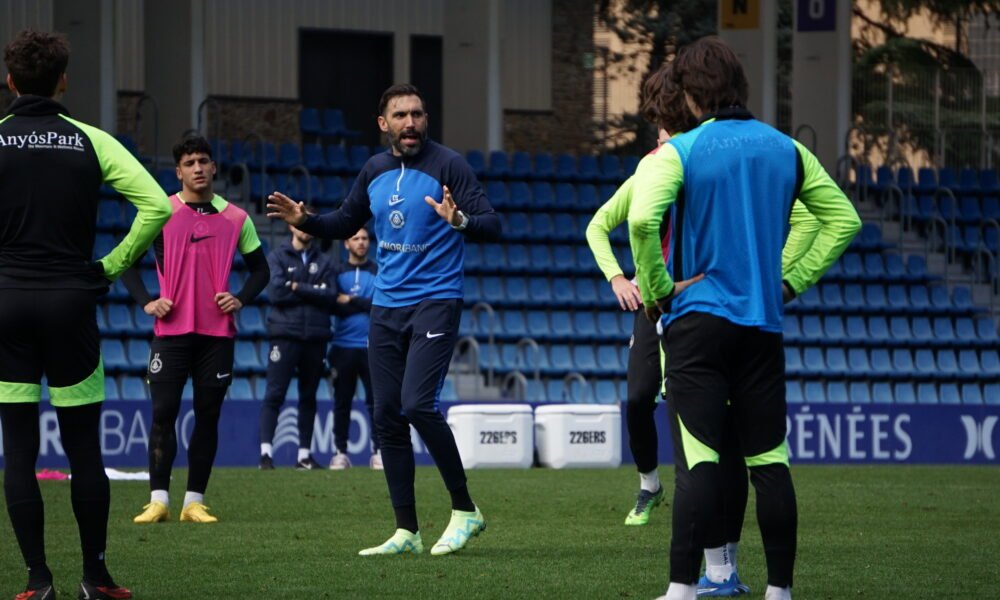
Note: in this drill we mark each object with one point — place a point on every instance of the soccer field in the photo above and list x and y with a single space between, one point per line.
928 532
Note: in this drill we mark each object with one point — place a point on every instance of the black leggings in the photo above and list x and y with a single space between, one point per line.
79 431
163 437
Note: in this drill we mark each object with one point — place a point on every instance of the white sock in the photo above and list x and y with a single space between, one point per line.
265 449
718 565
777 593
649 481
160 496
732 547
190 497
303 454
680 591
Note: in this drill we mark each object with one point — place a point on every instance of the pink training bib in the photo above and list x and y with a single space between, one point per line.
198 254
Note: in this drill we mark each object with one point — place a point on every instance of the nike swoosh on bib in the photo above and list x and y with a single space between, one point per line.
195 240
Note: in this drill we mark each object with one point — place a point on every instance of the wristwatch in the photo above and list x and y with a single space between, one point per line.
465 222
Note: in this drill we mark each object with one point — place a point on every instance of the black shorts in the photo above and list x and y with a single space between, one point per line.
51 333
208 360
714 363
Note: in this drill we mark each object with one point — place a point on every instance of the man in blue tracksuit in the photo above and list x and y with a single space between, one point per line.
348 358
302 293
426 202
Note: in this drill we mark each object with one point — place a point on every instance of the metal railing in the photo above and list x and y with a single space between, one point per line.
574 377
990 275
934 226
522 347
515 381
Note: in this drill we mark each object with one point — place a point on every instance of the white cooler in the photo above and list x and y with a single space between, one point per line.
579 435
493 435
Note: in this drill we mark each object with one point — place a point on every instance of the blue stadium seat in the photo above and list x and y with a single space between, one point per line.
972 394
916 269
520 195
895 269
113 355
564 228
902 364
949 394
836 362
111 389
897 300
608 326
471 290
968 365
857 363
585 264
540 259
289 156
313 159
560 358
466 325
881 393
477 161
535 392
852 267
859 393
611 168
927 393
812 328
473 258
878 331
332 191
944 332
251 321
793 392
588 168
512 325
584 325
562 292
539 292
813 363
987 332
338 161
563 259
793 361
134 388
586 292
921 331
247 358
832 298
586 198
492 290
448 392
241 390
875 298
790 328
561 325
584 359
814 392
542 196
565 167
537 322
940 300
541 227
609 360
904 394
836 393
334 124
989 362
138 355
520 165
605 392
924 364
544 166
900 329
499 166
808 300
856 331
358 156
494 258
991 393
854 298
874 268
309 122
833 327
120 320
881 362
516 289
565 197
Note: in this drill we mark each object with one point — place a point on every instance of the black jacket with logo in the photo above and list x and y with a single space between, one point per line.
302 314
51 171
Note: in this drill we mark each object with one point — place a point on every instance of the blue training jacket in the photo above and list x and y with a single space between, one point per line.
357 281
420 256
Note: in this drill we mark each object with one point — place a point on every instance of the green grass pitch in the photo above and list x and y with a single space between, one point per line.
864 532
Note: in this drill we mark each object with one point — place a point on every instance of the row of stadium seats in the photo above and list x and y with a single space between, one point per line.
875 298
606 168
133 387
968 181
881 392
898 363
877 331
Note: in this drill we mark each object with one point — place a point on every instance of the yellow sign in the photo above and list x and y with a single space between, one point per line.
739 14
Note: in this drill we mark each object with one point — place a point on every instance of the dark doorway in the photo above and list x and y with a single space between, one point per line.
425 72
347 70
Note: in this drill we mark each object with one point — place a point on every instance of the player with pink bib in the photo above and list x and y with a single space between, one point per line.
195 324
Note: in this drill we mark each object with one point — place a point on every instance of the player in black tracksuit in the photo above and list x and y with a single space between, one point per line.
302 292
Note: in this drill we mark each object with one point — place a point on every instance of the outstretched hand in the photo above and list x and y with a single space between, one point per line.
446 209
280 206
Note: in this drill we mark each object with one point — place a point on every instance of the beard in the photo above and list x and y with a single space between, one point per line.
409 151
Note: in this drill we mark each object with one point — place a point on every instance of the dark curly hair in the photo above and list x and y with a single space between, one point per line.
400 89
710 71
192 144
36 60
662 103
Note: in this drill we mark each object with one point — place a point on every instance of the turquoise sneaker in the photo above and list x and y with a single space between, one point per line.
401 542
727 589
462 527
644 504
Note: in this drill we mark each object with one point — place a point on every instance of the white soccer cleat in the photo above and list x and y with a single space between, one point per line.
340 462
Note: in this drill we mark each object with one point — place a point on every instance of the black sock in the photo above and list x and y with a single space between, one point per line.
460 499
39 577
406 518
